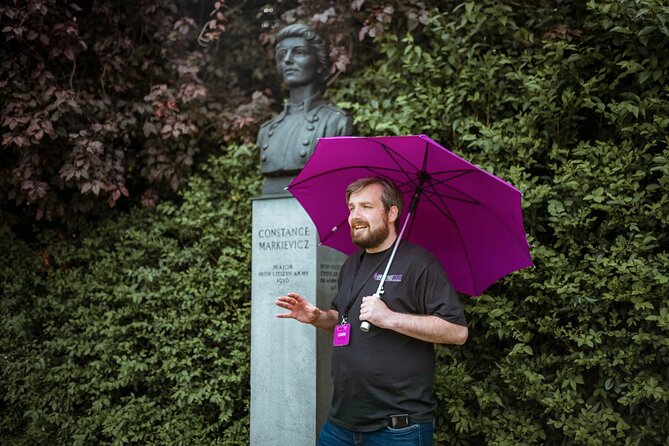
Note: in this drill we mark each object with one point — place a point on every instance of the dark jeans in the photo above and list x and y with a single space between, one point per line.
414 435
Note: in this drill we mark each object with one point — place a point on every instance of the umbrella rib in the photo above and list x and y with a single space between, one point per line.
443 209
444 183
392 154
376 171
339 225
339 169
461 172
423 178
441 196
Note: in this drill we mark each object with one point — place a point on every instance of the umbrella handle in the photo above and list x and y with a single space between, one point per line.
365 326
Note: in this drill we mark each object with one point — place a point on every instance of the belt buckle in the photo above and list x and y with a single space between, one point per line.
399 421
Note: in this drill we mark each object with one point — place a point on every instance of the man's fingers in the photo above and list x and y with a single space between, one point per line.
294 303
286 300
369 308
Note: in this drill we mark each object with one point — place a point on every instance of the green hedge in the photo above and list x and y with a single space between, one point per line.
137 332
568 101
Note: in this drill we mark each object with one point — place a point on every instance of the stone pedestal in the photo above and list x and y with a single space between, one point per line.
290 361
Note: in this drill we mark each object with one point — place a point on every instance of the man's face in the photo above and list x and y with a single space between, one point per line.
368 219
296 62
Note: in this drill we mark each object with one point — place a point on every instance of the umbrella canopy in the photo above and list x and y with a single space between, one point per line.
468 218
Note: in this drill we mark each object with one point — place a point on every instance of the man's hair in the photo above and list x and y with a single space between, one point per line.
319 45
390 194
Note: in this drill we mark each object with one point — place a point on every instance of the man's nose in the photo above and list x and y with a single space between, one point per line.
288 57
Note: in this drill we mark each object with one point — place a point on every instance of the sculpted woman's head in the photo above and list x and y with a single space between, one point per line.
302 56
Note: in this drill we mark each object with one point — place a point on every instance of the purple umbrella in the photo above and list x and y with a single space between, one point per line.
468 218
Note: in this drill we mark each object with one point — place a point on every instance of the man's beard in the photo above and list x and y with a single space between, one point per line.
371 238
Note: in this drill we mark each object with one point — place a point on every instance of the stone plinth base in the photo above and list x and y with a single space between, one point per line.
290 361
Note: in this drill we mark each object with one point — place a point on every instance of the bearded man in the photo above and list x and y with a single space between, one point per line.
383 378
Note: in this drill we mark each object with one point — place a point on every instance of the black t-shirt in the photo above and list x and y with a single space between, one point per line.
382 372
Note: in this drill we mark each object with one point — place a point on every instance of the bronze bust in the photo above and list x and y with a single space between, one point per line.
287 141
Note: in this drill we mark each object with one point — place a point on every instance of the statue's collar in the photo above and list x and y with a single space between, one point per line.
303 107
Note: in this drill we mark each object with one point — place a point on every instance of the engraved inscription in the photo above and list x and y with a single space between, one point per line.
276 239
328 276
283 243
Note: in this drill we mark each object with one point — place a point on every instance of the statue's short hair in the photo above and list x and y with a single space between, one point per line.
390 193
316 41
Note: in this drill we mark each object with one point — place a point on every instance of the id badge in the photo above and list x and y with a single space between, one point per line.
342 334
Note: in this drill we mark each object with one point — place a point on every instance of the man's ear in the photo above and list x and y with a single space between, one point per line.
392 214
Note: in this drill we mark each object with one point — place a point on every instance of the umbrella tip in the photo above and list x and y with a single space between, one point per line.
334 229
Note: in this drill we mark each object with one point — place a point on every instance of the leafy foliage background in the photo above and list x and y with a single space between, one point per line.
136 330
137 333
109 102
568 101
